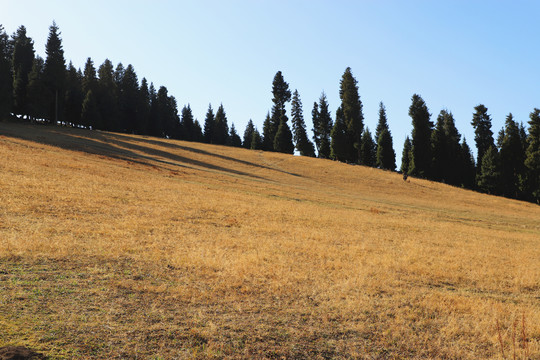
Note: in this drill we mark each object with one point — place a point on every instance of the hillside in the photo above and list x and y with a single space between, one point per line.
120 246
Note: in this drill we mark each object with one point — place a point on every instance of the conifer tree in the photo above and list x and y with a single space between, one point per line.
107 91
322 127
209 123
256 141
532 156
6 79
268 134
37 107
73 96
420 162
197 131
143 108
489 177
54 73
512 159
283 141
248 134
187 123
406 156
155 126
90 112
221 128
351 106
386 156
302 143
166 114
367 149
281 95
383 122
22 62
482 129
127 100
234 138
338 145
89 81
467 168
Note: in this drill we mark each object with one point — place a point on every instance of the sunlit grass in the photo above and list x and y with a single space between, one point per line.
115 246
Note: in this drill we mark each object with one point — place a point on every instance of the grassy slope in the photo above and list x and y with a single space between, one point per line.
117 246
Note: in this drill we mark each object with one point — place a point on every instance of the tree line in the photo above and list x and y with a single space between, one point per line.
112 98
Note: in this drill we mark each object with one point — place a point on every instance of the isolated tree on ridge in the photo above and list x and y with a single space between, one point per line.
302 143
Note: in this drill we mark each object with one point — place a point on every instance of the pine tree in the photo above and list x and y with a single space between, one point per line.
89 81
351 106
302 143
532 159
6 79
221 128
155 126
383 122
488 179
283 141
209 124
268 134
54 73
386 156
90 112
281 95
406 156
37 107
256 141
512 159
367 149
107 92
322 127
420 164
482 129
338 144
165 114
73 96
467 168
234 138
248 134
127 100
187 123
446 150
143 108
22 62
197 131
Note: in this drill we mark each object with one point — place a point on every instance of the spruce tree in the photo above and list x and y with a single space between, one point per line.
367 149
281 95
234 138
198 135
128 98
187 123
256 141
446 150
467 168
37 107
268 134
166 114
248 134
489 177
209 124
420 164
6 79
107 91
89 80
386 156
322 127
406 156
302 143
22 62
382 123
351 106
283 141
221 128
482 129
54 73
73 96
155 126
89 112
143 108
512 159
338 145
532 156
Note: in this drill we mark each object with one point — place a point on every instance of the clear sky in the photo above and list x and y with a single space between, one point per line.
455 53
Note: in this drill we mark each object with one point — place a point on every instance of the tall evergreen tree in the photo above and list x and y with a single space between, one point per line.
89 80
283 142
406 156
446 150
107 92
221 128
467 168
421 138
338 145
382 124
54 73
37 107
351 106
187 123
532 156
6 79
73 96
512 160
209 124
489 176
128 99
197 135
281 96
248 134
234 138
322 127
90 112
166 114
22 62
482 129
256 141
143 108
268 134
368 149
302 143
386 156
155 126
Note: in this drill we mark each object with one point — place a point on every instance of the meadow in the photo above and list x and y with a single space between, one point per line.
117 246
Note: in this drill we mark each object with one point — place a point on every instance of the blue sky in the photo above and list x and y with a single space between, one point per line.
455 54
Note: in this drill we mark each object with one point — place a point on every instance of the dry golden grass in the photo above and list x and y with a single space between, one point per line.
118 246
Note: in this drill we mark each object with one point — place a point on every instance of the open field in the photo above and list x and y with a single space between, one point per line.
117 246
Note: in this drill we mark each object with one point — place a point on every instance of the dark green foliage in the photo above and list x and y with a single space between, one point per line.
281 95
54 73
367 149
73 96
197 132
256 141
512 160
406 156
89 80
248 134
143 108
187 124
37 107
283 141
489 176
483 136
128 97
268 134
351 107
107 91
155 126
385 154
234 139
302 143
5 75
166 114
22 62
338 145
221 128
532 156
467 168
322 127
420 164
209 123
446 150
90 112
